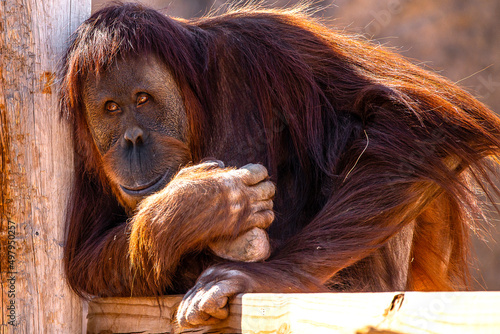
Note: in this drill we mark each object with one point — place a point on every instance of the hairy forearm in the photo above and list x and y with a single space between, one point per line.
201 207
177 220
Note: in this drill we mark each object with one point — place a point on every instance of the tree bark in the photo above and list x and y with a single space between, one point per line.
36 161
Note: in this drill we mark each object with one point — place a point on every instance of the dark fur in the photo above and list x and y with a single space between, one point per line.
372 156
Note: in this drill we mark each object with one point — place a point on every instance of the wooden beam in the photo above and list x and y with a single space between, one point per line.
359 313
36 162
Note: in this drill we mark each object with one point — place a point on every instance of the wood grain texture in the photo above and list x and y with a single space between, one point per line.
36 163
359 313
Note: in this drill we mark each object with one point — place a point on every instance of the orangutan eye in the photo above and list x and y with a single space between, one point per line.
112 106
142 98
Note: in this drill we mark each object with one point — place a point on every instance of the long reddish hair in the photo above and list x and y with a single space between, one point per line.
337 104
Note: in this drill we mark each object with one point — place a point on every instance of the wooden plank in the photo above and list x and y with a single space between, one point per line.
36 161
353 313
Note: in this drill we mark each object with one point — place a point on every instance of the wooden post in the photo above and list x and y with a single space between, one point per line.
35 162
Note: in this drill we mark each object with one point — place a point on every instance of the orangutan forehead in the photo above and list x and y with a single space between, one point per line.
146 71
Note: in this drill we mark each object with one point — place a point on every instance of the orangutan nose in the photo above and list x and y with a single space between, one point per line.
134 136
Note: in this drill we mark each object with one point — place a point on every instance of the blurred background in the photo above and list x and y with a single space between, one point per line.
459 39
